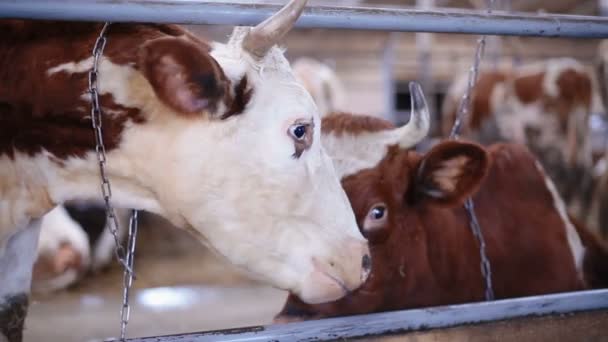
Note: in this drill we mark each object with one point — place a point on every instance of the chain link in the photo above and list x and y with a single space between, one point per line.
463 109
125 257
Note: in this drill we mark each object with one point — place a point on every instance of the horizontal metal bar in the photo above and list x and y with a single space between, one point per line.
235 13
404 321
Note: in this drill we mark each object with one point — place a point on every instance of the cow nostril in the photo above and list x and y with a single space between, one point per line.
366 263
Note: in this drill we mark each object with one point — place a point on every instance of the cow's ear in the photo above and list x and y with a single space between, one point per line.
451 172
184 76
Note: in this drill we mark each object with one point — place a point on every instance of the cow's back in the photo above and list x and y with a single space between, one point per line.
526 227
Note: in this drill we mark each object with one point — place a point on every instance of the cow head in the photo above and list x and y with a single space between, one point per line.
232 152
393 198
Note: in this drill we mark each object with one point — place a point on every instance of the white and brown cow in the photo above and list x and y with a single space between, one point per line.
545 106
600 201
218 138
73 241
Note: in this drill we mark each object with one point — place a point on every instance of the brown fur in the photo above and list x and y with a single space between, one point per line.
480 105
529 88
340 123
595 265
242 96
426 254
38 111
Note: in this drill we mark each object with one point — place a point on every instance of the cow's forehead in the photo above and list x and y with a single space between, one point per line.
271 77
385 182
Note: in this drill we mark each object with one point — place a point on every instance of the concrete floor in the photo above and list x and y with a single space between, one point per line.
181 287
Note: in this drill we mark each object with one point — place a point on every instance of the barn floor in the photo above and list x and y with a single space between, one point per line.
180 287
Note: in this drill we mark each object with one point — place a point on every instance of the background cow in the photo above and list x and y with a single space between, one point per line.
322 83
545 106
218 138
73 241
409 206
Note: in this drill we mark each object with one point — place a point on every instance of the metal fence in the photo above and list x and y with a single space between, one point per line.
240 13
405 20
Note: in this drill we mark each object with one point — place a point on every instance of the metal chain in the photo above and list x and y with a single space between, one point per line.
125 257
486 268
463 109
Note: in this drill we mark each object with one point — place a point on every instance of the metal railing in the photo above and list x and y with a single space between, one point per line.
239 13
378 324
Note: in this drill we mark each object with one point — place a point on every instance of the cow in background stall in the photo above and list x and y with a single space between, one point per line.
219 139
545 106
600 203
410 208
73 242
322 83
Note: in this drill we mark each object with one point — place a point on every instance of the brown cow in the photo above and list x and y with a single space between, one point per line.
409 206
545 106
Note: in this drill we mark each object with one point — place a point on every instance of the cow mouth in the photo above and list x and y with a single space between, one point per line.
337 281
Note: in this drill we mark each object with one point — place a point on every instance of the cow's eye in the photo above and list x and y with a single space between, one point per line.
377 213
301 133
376 218
298 131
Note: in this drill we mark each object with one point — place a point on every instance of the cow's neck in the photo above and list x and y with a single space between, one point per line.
30 186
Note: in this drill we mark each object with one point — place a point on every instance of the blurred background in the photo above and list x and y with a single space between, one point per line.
181 286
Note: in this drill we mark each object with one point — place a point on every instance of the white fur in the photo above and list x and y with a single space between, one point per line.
72 67
58 227
322 83
574 241
234 183
352 153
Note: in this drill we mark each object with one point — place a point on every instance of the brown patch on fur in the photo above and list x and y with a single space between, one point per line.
575 90
242 96
40 111
12 317
529 88
481 99
427 255
340 123
480 104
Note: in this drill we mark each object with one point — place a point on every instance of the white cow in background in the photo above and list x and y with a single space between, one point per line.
322 83
73 241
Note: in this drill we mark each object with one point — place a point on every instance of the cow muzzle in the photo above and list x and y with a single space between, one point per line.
333 279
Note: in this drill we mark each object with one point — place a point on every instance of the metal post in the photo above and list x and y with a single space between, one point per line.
424 46
231 13
388 79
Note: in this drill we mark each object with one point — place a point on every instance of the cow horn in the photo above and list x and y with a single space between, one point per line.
266 34
418 126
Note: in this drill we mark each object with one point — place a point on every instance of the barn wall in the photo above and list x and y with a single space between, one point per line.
357 57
